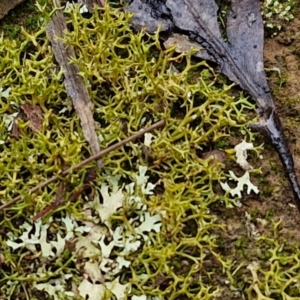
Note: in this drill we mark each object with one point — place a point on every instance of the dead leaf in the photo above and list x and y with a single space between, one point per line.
149 15
34 115
183 44
215 156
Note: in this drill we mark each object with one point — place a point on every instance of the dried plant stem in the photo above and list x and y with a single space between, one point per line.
86 161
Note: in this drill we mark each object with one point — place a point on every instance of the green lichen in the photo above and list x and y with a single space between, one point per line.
132 83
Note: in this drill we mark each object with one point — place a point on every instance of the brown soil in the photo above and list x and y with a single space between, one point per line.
276 199
281 52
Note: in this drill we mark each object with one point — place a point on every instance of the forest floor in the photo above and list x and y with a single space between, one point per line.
247 251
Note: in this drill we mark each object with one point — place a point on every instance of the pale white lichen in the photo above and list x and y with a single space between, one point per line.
241 154
241 182
5 93
94 240
91 291
112 201
148 139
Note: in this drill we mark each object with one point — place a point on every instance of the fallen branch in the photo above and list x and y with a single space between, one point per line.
86 161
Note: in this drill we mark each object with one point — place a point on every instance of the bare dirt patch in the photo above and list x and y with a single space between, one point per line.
282 54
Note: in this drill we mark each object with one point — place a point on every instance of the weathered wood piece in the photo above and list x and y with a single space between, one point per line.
73 82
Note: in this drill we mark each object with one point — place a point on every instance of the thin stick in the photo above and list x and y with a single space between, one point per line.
86 161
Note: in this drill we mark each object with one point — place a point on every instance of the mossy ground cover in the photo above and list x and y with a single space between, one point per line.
155 223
